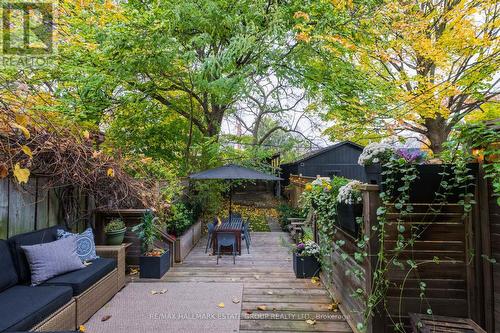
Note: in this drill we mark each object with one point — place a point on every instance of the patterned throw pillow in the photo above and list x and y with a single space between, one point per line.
85 243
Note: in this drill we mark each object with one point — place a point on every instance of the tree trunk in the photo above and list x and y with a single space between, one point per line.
437 133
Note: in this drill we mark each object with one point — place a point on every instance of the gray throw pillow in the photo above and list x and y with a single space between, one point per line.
51 259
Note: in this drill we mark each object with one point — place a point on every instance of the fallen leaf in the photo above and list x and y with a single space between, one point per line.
105 318
22 175
256 277
334 306
311 322
81 328
22 119
221 305
27 151
262 307
153 292
111 172
236 300
314 280
163 291
4 172
134 271
270 293
23 129
249 312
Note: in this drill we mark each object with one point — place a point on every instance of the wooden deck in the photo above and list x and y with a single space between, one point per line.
268 280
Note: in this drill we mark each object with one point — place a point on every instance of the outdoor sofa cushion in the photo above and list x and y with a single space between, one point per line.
8 274
22 307
30 238
52 259
83 279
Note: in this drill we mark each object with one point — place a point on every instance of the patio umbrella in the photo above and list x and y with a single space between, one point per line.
233 172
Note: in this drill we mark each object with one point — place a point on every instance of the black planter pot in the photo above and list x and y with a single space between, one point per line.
154 267
346 217
424 189
305 267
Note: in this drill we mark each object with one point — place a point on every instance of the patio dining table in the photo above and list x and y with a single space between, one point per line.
232 225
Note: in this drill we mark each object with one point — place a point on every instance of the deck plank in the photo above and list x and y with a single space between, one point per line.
268 280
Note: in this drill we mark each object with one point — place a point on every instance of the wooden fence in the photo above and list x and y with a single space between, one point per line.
33 206
449 254
295 188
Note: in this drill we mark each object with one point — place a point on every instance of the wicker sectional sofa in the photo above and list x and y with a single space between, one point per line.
63 302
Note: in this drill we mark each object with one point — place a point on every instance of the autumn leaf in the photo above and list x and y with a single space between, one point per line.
86 134
221 305
236 300
81 328
23 129
311 322
105 318
334 306
22 175
262 307
314 280
111 172
27 151
22 119
4 172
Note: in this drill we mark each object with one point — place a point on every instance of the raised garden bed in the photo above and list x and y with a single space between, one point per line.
184 243
428 182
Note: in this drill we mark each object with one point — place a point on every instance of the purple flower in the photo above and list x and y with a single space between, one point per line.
300 246
411 154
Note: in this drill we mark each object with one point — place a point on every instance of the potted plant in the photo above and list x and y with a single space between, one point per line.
115 232
350 207
305 261
154 262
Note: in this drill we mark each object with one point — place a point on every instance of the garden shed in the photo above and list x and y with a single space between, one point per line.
340 159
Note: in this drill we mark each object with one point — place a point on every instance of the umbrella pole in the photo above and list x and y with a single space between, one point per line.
230 199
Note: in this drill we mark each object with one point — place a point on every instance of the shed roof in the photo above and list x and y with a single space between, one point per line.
320 151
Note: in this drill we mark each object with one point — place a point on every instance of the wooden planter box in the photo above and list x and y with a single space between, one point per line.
347 215
428 182
183 244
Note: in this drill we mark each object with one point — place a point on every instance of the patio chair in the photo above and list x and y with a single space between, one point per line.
211 228
245 234
226 239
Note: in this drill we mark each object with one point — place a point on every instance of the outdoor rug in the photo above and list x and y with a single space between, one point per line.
171 307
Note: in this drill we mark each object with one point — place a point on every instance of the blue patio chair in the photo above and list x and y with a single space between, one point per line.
211 228
226 239
245 234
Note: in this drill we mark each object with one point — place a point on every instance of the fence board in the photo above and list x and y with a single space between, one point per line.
22 207
4 208
42 204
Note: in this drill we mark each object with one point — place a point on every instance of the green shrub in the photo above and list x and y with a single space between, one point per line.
285 212
114 225
179 219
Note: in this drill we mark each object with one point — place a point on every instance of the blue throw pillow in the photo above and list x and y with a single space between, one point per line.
51 259
85 243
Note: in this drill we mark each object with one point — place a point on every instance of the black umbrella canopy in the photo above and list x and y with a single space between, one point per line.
232 171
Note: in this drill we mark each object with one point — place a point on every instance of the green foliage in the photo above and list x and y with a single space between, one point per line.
207 198
147 231
114 225
486 141
321 197
285 212
180 219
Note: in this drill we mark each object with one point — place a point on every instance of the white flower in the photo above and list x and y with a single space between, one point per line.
350 193
373 152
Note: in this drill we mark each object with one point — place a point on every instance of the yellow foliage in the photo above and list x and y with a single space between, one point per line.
22 175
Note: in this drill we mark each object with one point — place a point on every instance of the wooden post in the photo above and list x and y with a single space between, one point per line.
371 202
484 223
